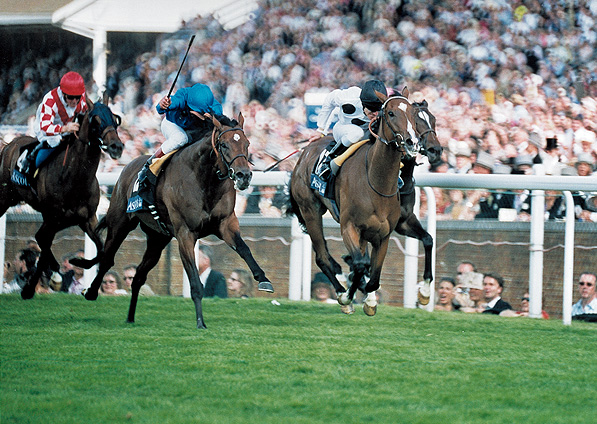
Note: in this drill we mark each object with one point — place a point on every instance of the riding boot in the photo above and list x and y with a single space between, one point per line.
324 169
28 166
148 180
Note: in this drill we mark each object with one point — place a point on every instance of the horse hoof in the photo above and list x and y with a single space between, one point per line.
369 310
56 277
27 294
347 309
343 299
424 294
201 325
90 295
265 286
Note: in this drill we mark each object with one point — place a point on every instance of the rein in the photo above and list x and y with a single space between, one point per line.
215 143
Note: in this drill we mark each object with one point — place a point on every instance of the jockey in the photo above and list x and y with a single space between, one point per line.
55 116
196 100
356 108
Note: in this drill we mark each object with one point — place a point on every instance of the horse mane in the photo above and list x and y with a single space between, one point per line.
202 128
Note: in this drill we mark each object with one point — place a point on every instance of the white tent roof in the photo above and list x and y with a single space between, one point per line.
86 16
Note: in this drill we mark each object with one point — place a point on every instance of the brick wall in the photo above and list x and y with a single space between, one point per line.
268 240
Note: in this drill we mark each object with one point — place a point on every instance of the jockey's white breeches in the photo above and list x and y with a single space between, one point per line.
175 136
347 134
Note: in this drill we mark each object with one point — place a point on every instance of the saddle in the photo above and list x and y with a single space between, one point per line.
326 187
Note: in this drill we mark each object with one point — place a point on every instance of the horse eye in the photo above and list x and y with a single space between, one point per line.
391 113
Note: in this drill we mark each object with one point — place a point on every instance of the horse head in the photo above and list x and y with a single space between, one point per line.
231 146
398 123
425 124
101 127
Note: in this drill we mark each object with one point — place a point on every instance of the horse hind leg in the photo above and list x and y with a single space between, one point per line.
116 235
90 228
186 246
156 243
46 262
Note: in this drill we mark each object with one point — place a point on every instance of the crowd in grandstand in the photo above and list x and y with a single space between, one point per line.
501 78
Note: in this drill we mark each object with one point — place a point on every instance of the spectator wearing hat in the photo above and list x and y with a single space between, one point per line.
551 157
523 165
585 142
462 158
585 203
469 292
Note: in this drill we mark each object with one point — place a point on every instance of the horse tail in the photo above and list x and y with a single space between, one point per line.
292 208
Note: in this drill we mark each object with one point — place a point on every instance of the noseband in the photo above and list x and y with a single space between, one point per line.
217 146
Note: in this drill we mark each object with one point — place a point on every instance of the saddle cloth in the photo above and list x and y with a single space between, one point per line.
135 202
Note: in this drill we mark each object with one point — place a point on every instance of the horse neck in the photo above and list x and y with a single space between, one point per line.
384 166
81 160
204 162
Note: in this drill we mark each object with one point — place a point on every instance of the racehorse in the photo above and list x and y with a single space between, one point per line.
408 224
366 193
195 197
66 190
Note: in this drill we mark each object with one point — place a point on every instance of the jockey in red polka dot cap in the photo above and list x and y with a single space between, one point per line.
55 116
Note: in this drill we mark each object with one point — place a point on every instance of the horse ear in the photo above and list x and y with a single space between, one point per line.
241 119
105 98
216 123
381 96
405 92
89 103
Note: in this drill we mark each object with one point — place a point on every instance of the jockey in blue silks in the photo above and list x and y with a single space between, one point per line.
196 100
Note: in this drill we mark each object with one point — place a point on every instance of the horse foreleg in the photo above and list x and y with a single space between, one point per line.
411 227
378 255
357 250
44 237
230 233
186 246
155 244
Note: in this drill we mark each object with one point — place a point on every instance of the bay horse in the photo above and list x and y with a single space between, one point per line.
195 197
408 224
366 193
66 191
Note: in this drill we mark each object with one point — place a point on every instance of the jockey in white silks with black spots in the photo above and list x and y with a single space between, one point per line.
355 107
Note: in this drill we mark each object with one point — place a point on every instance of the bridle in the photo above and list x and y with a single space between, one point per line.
397 138
423 135
105 115
217 146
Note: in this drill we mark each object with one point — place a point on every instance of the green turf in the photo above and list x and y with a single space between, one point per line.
66 360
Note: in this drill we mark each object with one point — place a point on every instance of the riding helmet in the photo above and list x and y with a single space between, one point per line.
369 98
72 84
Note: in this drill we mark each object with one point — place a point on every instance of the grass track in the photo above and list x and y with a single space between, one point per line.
66 360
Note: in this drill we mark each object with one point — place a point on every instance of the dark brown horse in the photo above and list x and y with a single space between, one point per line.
65 191
409 225
195 197
366 195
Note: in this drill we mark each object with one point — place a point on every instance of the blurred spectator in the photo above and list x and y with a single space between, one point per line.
240 284
214 283
523 311
493 285
128 274
587 305
111 285
321 289
445 294
22 268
